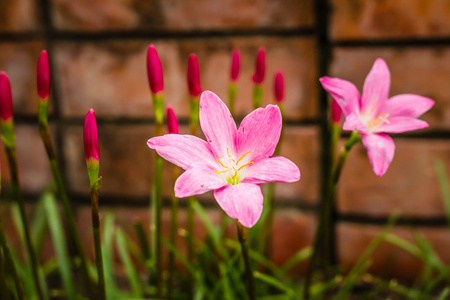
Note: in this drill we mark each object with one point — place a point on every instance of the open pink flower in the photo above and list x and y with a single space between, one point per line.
231 161
374 113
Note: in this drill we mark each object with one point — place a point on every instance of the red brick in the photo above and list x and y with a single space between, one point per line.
389 260
111 77
178 15
302 146
34 168
19 60
413 71
410 186
20 15
366 19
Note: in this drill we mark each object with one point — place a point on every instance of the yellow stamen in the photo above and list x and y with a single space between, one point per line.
235 173
228 153
220 171
242 157
245 165
372 109
221 163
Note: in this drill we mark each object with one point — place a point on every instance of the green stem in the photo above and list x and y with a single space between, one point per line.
158 106
46 138
11 155
322 239
97 240
10 264
257 95
232 91
173 236
248 269
4 290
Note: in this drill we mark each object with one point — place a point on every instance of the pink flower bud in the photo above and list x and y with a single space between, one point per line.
279 87
90 136
43 75
235 64
6 106
172 122
260 69
193 76
154 70
336 111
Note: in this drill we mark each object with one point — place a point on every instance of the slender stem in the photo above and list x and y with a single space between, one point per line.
248 268
173 236
257 95
323 234
4 290
97 241
46 138
11 154
10 264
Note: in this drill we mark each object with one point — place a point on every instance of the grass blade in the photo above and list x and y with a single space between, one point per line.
132 274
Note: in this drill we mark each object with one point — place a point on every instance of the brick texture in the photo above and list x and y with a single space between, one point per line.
368 19
388 260
422 71
111 77
34 168
410 186
126 163
20 16
107 15
19 60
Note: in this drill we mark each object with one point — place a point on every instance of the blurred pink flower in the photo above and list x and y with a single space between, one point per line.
231 161
235 64
336 112
193 76
260 66
374 113
6 105
172 122
154 70
279 86
43 75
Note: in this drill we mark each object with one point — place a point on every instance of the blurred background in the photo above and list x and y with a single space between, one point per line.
98 49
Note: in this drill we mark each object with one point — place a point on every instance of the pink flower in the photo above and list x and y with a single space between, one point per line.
374 114
172 122
235 64
90 137
260 66
336 112
193 76
279 86
6 105
43 75
154 70
231 161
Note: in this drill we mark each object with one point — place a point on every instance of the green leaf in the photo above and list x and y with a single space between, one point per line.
132 274
59 243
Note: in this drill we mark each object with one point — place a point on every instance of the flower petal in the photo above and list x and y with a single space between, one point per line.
243 201
376 88
407 105
380 149
353 122
402 124
197 180
277 168
259 132
344 93
182 150
217 124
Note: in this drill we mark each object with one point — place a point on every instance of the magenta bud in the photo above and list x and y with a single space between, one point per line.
90 137
6 106
235 64
43 75
193 76
154 70
336 111
279 86
260 69
172 122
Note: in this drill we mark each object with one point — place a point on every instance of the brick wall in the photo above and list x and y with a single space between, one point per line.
97 51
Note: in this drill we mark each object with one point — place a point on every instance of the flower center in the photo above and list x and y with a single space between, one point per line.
232 167
377 121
